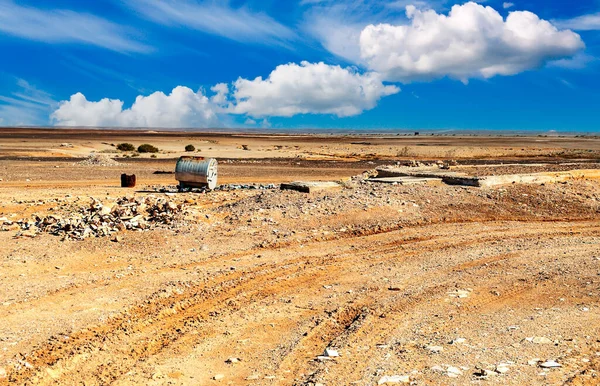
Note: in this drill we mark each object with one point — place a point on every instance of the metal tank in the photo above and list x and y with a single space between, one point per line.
196 172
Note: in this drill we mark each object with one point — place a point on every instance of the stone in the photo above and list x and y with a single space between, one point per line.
233 360
502 368
218 377
3 373
461 294
458 341
453 372
438 369
331 353
541 340
550 364
393 379
533 362
435 349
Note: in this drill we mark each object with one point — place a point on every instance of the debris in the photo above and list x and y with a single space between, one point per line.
98 220
310 187
550 364
95 159
392 379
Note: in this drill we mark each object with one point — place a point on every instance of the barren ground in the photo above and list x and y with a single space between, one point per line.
434 282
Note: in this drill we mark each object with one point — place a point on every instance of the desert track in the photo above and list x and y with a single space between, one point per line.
378 299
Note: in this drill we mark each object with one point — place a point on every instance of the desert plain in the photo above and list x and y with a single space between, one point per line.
371 283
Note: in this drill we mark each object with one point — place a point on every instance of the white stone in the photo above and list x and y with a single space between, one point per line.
502 368
453 372
393 379
331 353
541 340
218 377
435 349
550 364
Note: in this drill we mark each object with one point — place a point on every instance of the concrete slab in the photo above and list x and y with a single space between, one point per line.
311 186
453 178
406 180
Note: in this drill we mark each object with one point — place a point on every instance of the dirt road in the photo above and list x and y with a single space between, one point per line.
432 284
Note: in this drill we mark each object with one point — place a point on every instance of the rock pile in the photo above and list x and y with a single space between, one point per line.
96 159
100 220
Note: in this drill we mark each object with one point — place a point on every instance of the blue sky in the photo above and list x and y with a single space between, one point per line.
349 64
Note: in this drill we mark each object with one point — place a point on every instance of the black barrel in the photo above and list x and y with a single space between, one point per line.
127 181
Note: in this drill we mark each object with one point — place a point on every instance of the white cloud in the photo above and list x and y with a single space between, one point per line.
508 5
216 18
221 91
589 22
183 108
26 106
64 26
471 41
579 61
309 88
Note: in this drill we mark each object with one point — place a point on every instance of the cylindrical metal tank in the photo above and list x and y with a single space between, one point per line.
196 172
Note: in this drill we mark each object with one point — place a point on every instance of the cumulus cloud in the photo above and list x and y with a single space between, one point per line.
182 108
508 5
472 41
309 88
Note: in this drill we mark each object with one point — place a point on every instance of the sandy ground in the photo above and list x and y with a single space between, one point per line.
441 284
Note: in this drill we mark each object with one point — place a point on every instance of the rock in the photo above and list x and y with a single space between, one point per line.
453 372
117 239
482 373
330 353
459 294
3 373
541 340
233 360
253 377
435 349
550 364
218 377
533 362
438 369
502 368
458 341
393 379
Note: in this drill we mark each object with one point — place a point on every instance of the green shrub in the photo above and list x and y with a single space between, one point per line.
190 148
147 148
125 147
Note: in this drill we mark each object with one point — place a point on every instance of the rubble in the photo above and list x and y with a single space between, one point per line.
101 220
95 159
